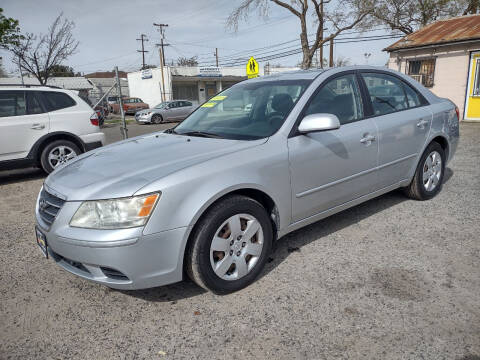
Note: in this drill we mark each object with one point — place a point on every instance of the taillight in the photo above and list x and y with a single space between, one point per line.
458 113
94 119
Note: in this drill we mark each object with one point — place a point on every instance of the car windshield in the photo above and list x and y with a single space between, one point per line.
246 111
161 105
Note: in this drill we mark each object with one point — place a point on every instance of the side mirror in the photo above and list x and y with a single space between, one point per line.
318 122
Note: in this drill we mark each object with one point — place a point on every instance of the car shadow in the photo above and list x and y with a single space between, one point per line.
294 241
297 239
168 293
21 175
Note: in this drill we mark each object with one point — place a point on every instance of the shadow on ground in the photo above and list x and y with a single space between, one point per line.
20 175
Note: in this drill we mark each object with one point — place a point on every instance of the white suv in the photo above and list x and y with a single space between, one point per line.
44 126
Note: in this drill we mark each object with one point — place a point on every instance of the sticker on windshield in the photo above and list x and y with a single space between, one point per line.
209 104
219 98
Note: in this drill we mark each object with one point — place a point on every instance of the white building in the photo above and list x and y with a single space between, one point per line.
194 83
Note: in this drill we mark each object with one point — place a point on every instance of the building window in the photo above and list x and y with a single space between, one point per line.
422 70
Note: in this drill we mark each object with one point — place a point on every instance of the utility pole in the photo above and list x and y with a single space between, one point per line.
162 92
162 34
331 53
143 38
216 55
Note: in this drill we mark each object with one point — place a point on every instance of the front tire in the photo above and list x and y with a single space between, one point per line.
157 119
57 153
428 179
230 245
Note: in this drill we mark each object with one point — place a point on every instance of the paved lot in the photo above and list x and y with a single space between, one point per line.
389 279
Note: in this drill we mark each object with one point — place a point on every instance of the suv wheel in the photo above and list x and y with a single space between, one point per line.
230 245
58 153
428 178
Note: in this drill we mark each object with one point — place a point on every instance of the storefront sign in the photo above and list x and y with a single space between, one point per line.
147 74
210 71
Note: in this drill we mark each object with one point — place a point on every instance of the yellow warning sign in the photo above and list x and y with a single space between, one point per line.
252 68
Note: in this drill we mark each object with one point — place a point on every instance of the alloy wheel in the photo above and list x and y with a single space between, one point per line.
432 171
60 155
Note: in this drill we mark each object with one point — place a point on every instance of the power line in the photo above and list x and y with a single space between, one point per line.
299 50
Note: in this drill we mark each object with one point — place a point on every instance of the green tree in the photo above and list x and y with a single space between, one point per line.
9 31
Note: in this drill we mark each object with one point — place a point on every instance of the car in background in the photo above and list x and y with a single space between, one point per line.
175 110
45 126
130 105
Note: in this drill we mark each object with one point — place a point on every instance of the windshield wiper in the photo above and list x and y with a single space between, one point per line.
201 134
171 131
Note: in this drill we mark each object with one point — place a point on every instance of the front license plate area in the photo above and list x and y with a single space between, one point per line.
42 242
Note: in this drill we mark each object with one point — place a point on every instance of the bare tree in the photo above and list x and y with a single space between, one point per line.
340 15
187 61
39 55
472 7
408 16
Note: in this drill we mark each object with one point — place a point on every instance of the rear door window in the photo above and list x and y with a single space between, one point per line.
33 103
386 93
57 100
12 103
412 97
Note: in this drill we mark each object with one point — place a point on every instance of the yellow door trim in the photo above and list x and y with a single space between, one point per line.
472 98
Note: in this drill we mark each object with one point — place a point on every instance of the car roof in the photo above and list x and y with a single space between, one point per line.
311 74
32 88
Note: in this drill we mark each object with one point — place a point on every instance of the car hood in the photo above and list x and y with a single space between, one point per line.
121 169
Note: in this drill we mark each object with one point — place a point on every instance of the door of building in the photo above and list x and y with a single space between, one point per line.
211 89
472 100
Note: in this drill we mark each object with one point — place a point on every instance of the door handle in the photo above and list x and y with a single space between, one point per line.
367 139
37 127
422 123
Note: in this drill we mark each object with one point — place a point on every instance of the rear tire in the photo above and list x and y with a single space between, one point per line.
56 153
428 179
244 255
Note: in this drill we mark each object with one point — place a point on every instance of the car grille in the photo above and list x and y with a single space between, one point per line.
48 206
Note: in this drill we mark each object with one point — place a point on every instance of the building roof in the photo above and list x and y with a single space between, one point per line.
107 82
106 74
70 83
462 28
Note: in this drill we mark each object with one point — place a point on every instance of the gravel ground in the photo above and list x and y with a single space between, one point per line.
389 279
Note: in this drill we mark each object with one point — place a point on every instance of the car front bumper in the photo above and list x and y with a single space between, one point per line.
143 117
121 259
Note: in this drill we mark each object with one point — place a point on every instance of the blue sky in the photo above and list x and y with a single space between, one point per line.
107 30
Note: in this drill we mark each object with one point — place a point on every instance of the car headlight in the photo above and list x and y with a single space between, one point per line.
115 213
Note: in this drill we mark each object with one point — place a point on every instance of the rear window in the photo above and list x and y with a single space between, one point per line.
57 100
12 103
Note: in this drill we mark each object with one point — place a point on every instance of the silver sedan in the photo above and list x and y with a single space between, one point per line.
166 111
254 163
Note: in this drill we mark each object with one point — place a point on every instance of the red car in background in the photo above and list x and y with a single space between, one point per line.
130 105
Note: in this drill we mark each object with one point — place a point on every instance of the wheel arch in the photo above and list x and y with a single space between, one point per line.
252 192
443 142
38 147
